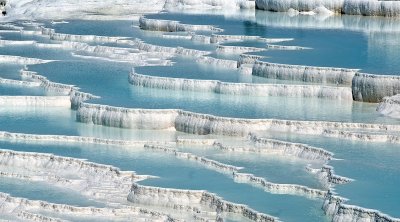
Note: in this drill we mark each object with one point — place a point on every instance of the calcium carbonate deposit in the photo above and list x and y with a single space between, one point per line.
199 110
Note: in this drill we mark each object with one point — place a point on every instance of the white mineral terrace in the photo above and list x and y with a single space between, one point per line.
93 9
21 60
13 43
97 181
171 197
294 149
229 64
335 207
76 97
134 56
71 42
351 7
72 139
373 88
46 101
108 184
353 23
277 188
197 123
219 38
390 106
32 210
173 26
160 146
120 191
239 177
365 87
248 89
304 73
237 49
207 4
19 82
78 38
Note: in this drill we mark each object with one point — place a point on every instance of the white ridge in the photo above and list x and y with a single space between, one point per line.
46 101
22 60
350 7
390 106
173 26
335 207
326 92
373 88
37 210
312 74
203 124
263 145
100 182
19 82
167 197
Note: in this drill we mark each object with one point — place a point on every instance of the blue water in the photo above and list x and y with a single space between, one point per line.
61 121
12 90
337 41
35 52
227 56
17 36
247 43
82 72
231 26
267 166
188 68
183 174
337 48
102 28
10 71
375 167
333 46
127 29
42 191
109 81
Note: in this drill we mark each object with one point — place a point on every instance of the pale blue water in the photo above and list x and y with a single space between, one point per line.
374 166
35 52
182 174
17 36
123 29
227 56
247 43
347 49
12 90
102 28
82 72
109 81
332 46
231 25
42 191
10 71
188 68
44 120
268 166
336 41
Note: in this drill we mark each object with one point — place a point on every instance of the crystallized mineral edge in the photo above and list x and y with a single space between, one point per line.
350 7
